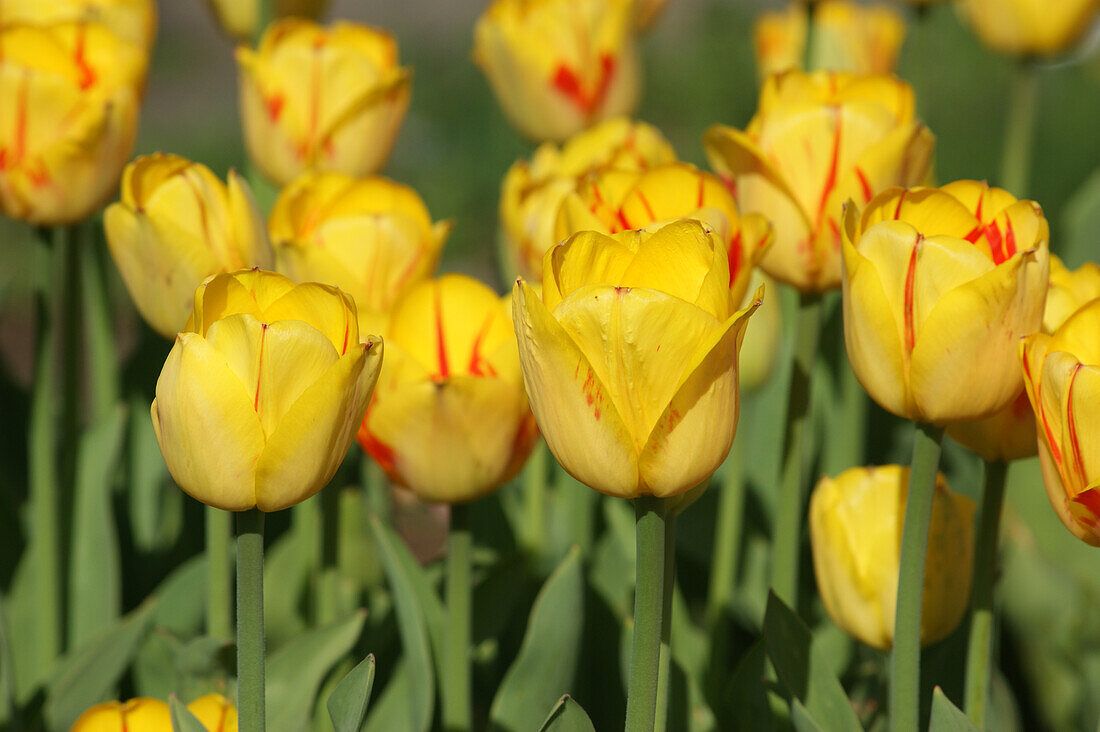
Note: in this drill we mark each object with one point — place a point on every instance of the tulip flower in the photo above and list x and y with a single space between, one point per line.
855 532
321 98
449 418
630 357
136 715
816 141
1029 27
646 12
261 394
215 712
534 189
176 225
756 362
936 280
558 66
1069 291
133 21
239 18
615 201
71 120
371 237
847 36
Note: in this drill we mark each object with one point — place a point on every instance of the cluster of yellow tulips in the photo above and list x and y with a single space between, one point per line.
644 300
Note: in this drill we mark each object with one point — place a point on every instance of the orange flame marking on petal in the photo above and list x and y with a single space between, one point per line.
645 204
479 366
382 453
1009 248
87 73
1071 423
699 199
734 256
910 281
566 81
274 106
1090 501
20 133
260 367
440 340
897 209
864 185
830 178
1055 452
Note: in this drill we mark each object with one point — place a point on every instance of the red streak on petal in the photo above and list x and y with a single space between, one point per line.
87 74
382 453
731 183
440 340
1055 452
701 195
1009 248
864 185
1090 500
645 204
624 222
981 199
1021 408
996 243
1071 424
830 177
347 329
735 255
566 81
274 106
260 367
19 136
910 281
975 234
897 209
478 365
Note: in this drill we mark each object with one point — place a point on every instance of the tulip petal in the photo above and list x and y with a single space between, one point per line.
325 308
249 230
247 291
1061 500
313 436
584 259
571 404
208 432
1080 334
928 210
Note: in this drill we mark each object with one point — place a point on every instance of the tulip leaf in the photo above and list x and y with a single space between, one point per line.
347 705
155 505
801 719
746 696
7 680
295 671
1076 243
413 604
946 717
285 581
89 674
803 669
392 710
95 575
182 718
567 716
547 658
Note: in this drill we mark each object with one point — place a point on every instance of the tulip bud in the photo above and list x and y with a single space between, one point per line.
816 141
262 393
450 419
558 66
534 190
856 521
630 357
136 715
133 21
371 237
176 225
216 713
1029 27
238 18
316 98
937 280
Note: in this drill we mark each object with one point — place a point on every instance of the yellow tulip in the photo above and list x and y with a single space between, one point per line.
939 285
136 715
216 713
1062 376
847 36
68 119
321 98
261 395
371 237
756 362
558 66
238 18
646 12
816 141
534 190
1068 291
133 21
176 225
450 419
856 520
1029 27
630 357
615 200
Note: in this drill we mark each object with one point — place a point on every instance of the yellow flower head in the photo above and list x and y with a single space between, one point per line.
216 713
238 18
133 21
1029 27
262 393
136 715
630 357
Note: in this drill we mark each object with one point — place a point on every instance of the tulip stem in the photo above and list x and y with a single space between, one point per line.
250 620
98 332
219 607
905 660
727 547
664 678
645 659
456 657
979 656
1020 128
534 496
788 525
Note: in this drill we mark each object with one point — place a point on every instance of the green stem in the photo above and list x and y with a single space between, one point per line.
809 51
1020 129
219 606
99 332
844 444
788 526
905 660
328 607
645 659
664 678
979 656
250 620
534 496
727 539
456 657
68 280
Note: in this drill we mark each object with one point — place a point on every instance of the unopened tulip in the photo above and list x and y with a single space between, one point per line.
216 713
133 21
136 715
371 237
630 357
856 521
176 225
936 281
1029 27
534 189
450 418
262 393
68 119
558 66
316 98
239 18
816 141
1062 375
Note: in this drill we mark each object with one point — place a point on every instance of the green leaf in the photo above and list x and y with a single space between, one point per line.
1080 221
804 670
7 680
89 674
95 573
295 671
801 719
154 503
182 718
547 658
567 716
403 574
746 694
946 717
285 582
392 710
347 705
